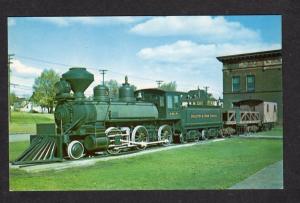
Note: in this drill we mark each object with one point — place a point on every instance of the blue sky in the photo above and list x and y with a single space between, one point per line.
181 49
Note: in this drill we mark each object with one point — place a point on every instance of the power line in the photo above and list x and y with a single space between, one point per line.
159 82
15 84
69 65
43 61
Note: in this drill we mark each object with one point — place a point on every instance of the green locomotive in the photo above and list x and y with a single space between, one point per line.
85 127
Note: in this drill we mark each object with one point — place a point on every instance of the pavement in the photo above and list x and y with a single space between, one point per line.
270 177
19 137
260 136
91 161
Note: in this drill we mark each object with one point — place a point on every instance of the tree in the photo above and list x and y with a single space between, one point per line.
12 98
113 87
171 86
133 87
44 92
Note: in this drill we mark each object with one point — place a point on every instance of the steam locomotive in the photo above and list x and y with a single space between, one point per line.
137 119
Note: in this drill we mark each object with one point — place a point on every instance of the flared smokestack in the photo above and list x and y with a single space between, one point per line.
79 79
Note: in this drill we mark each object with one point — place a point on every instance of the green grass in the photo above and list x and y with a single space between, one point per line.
217 165
23 122
277 131
16 148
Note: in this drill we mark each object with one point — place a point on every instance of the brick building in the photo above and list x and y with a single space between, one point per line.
253 77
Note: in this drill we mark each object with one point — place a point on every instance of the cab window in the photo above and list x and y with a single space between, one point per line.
161 101
176 101
169 102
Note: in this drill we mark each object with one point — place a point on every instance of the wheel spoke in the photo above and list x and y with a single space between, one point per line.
140 134
109 132
165 133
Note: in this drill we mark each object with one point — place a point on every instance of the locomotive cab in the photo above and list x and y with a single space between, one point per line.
168 103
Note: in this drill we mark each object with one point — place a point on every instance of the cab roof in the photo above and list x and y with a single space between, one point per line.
159 90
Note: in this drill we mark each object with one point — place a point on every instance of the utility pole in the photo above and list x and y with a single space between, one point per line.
159 82
102 72
10 57
206 94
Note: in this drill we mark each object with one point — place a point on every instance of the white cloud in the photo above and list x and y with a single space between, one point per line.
25 71
207 27
67 21
180 51
185 51
186 59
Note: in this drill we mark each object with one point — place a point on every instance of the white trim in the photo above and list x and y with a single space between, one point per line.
70 148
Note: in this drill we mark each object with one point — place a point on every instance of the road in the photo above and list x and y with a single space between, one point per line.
271 177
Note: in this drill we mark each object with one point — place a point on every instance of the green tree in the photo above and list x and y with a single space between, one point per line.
44 92
133 87
171 86
113 87
12 98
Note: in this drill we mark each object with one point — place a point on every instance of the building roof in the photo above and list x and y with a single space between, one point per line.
262 54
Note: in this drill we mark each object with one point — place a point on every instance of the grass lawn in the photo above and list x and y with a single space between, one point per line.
217 165
277 131
16 148
23 122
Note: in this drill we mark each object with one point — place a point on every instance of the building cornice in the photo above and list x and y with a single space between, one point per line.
238 57
269 67
245 92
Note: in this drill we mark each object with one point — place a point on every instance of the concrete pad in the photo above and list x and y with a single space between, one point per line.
91 161
271 177
19 137
261 137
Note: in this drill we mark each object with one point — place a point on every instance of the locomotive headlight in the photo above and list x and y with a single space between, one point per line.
62 87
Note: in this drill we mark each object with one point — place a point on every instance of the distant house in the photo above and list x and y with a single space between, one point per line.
19 103
24 105
31 107
199 97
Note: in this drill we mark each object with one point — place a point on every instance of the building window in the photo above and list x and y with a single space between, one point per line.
274 108
170 102
236 83
250 83
267 107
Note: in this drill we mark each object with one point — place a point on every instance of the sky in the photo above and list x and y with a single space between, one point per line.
167 48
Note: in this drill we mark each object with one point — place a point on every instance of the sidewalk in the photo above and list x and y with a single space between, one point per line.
271 177
261 136
19 137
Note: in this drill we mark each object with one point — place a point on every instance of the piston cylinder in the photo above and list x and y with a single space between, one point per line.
93 143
